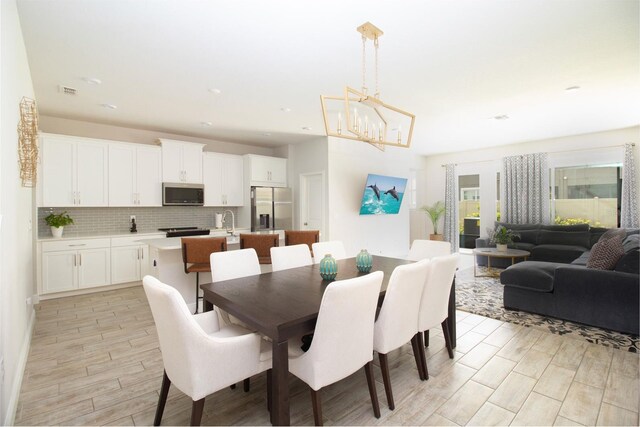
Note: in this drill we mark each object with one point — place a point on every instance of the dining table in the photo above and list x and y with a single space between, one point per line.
284 305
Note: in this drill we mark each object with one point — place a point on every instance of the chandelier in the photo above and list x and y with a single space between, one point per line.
362 117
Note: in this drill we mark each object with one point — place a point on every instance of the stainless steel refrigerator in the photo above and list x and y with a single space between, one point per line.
271 209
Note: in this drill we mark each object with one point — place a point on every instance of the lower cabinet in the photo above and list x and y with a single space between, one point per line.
75 264
129 261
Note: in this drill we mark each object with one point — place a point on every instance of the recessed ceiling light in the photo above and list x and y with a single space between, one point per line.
572 88
306 128
285 109
92 80
215 90
265 134
500 117
206 124
110 106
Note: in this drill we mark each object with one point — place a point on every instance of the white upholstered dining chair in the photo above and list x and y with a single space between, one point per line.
427 249
199 355
397 322
333 247
284 257
343 338
434 304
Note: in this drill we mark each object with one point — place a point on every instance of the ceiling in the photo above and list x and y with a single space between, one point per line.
454 64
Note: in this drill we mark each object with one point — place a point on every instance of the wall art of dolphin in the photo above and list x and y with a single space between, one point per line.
376 190
393 192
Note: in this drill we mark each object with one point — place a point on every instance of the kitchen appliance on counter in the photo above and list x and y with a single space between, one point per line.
218 220
179 194
185 231
271 209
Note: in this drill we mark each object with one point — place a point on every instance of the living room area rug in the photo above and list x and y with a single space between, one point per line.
483 296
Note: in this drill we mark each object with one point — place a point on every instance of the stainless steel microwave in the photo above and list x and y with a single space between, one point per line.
179 194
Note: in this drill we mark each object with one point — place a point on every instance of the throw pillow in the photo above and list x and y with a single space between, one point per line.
613 233
631 242
630 262
605 254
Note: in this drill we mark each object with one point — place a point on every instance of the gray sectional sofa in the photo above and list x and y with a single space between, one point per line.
555 285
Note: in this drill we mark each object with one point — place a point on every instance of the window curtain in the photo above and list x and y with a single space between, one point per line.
451 226
525 189
629 208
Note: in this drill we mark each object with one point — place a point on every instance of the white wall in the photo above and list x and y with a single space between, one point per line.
17 276
349 164
432 178
140 136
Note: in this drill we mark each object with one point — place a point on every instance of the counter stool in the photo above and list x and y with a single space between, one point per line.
296 237
262 243
195 255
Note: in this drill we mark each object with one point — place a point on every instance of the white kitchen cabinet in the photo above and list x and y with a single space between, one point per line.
266 171
135 175
74 171
75 264
223 178
129 260
181 161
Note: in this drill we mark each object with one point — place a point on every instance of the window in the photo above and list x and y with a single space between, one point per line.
469 210
587 194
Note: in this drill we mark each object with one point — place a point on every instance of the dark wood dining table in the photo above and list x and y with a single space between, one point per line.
284 305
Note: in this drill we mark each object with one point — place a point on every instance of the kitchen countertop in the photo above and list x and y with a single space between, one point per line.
78 236
170 243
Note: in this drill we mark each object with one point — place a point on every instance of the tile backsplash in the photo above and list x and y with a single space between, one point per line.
89 221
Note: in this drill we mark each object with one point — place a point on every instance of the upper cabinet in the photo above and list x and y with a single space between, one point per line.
135 175
266 171
181 161
223 179
74 171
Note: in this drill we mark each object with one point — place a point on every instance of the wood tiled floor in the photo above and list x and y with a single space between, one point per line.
95 360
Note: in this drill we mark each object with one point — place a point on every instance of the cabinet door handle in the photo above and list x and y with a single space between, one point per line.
80 260
79 244
141 253
79 202
74 260
138 253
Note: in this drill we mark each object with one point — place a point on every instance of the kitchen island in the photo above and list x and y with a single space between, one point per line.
167 266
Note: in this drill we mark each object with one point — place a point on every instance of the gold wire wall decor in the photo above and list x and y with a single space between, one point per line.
28 142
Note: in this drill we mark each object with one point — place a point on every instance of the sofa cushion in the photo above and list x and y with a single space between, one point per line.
574 227
631 242
523 246
595 233
517 227
605 254
557 253
582 259
529 236
530 275
570 238
629 262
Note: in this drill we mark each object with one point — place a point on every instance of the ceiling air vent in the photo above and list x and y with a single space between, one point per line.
67 90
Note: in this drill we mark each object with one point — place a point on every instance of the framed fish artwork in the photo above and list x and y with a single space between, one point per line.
382 195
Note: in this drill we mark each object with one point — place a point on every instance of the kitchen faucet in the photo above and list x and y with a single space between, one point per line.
233 221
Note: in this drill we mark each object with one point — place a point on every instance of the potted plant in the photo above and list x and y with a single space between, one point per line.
503 236
435 212
57 222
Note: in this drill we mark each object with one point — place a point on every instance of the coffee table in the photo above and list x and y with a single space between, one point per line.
495 253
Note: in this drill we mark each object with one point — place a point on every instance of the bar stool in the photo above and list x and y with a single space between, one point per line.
262 243
195 255
296 237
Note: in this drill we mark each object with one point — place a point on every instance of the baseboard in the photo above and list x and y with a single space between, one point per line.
20 367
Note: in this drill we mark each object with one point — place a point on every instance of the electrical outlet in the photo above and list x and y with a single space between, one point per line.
132 218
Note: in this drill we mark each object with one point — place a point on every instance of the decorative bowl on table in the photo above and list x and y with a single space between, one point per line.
364 261
328 267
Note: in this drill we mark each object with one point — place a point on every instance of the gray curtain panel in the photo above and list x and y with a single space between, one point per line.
525 189
451 226
629 208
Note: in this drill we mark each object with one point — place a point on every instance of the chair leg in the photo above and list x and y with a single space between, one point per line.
317 406
196 412
416 355
423 358
447 337
384 367
426 338
232 386
164 391
247 384
371 382
197 291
